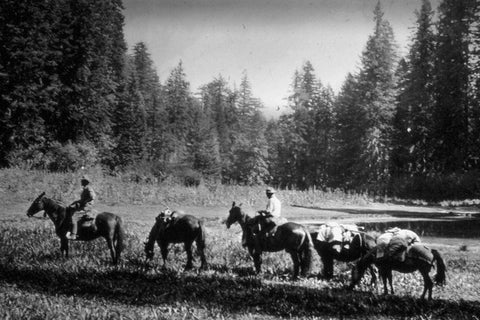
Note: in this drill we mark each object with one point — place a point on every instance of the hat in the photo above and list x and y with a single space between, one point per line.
270 190
85 178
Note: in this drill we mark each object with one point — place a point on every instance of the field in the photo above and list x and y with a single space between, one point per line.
36 283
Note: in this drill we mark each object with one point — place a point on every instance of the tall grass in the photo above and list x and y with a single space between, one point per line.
19 185
36 283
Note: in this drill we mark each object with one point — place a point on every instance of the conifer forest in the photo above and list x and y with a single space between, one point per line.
73 95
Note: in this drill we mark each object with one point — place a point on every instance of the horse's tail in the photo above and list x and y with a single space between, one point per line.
440 277
119 237
201 237
307 254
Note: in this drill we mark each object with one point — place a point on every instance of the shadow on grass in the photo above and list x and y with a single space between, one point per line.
229 292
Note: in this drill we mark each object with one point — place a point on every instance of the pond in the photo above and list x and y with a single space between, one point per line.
465 228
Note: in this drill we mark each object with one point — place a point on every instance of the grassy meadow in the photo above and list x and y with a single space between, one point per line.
36 283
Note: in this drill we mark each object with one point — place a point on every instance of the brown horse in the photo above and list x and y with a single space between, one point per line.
177 229
418 257
107 225
291 237
360 244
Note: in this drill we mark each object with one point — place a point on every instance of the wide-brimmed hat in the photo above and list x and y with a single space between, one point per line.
85 178
270 190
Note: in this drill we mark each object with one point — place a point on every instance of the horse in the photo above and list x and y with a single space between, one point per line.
360 244
106 225
291 237
177 229
418 257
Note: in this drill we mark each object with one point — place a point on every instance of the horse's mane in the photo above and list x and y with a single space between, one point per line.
54 202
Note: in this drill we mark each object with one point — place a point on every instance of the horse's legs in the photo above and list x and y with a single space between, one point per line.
390 280
384 276
64 247
109 239
374 275
427 284
327 261
164 252
296 263
188 249
257 260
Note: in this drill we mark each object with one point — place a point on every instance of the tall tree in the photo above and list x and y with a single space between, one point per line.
130 124
250 150
150 88
219 100
413 126
451 112
178 105
376 86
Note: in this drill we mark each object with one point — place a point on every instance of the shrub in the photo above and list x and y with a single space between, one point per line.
71 157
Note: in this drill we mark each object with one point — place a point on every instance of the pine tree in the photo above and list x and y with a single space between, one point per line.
376 84
150 88
250 147
349 136
451 113
218 99
413 129
178 105
130 125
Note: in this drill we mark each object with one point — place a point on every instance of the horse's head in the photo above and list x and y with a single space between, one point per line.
234 215
37 205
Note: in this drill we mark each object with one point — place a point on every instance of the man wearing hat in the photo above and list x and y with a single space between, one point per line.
85 204
272 213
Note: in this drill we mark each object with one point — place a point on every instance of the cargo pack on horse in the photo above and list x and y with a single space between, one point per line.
172 227
344 243
418 257
291 237
105 224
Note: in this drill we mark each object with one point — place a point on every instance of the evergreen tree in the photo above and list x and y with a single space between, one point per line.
349 136
219 100
413 126
250 146
150 88
451 113
130 128
376 86
178 107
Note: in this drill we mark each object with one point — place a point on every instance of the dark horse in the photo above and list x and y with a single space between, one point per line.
418 257
107 225
291 237
360 244
177 229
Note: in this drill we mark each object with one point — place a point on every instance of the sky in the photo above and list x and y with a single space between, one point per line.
269 39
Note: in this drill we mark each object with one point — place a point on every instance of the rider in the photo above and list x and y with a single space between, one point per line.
272 213
84 205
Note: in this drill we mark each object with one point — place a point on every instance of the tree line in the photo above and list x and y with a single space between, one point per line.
73 95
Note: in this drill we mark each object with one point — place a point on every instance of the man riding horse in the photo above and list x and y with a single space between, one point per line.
265 223
84 205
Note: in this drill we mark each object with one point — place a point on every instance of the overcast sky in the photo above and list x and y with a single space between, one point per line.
270 39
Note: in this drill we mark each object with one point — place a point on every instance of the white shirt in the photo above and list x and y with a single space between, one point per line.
274 207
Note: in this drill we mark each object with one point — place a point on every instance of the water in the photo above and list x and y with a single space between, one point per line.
465 228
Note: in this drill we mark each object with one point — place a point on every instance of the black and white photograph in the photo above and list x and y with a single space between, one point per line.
239 159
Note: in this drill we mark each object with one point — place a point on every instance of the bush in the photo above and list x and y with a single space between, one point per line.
71 157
